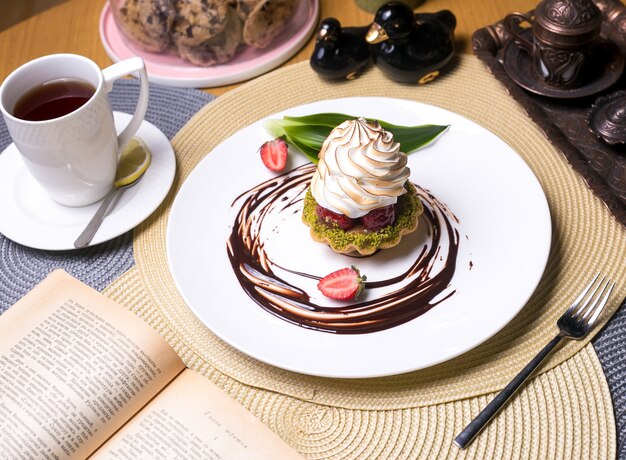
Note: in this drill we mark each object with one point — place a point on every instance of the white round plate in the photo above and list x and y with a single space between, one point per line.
30 217
169 69
504 240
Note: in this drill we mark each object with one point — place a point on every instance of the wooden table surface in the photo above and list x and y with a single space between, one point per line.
72 27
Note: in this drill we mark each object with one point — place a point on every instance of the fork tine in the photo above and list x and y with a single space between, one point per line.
589 303
600 306
593 299
575 323
576 303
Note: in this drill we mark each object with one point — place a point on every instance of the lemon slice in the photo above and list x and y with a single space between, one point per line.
134 160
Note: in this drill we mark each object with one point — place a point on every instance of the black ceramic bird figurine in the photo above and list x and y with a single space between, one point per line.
411 48
340 52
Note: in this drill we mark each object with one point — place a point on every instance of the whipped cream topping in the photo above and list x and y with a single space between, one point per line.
360 168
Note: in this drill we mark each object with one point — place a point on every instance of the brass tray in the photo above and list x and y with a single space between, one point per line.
563 120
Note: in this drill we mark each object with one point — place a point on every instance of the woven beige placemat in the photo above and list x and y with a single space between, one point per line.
564 413
585 239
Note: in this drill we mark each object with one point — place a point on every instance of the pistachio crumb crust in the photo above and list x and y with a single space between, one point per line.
358 240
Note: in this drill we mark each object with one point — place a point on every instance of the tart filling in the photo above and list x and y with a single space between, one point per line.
358 240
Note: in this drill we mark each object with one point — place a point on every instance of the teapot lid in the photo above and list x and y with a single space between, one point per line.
569 17
607 118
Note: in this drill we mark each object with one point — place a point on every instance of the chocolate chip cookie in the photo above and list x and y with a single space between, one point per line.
266 20
198 21
147 22
217 49
245 7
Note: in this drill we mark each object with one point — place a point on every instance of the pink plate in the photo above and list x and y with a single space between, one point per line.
168 69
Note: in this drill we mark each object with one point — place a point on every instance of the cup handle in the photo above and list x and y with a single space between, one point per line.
121 69
511 25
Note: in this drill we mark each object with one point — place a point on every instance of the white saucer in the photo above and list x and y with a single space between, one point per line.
30 217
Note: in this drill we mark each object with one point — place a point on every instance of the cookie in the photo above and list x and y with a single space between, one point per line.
217 49
198 21
245 7
266 20
147 22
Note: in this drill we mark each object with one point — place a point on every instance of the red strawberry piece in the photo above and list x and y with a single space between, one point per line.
334 219
379 218
344 284
274 154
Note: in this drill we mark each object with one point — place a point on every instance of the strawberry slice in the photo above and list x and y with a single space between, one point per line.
274 154
344 284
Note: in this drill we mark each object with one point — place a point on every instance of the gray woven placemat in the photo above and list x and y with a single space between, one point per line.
611 349
21 268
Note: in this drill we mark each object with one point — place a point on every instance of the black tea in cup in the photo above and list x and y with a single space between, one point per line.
53 99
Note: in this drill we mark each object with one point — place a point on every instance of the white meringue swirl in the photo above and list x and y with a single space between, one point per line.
360 168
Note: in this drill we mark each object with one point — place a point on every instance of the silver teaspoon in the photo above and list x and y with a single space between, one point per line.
134 161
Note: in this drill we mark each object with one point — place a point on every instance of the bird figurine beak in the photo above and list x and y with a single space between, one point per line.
376 34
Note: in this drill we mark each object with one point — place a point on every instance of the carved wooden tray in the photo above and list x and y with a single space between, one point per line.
564 120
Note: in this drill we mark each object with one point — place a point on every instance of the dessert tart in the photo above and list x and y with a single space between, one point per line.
360 199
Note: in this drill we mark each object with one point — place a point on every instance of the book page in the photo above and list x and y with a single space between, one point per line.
74 367
193 418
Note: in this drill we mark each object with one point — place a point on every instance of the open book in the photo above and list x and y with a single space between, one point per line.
81 376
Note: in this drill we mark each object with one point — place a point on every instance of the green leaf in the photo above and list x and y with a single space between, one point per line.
322 119
310 152
308 132
310 135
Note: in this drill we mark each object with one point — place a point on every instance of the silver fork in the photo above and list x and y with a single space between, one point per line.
575 323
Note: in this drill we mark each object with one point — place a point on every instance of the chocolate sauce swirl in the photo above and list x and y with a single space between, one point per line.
426 283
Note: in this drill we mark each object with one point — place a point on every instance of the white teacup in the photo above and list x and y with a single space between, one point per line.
73 156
